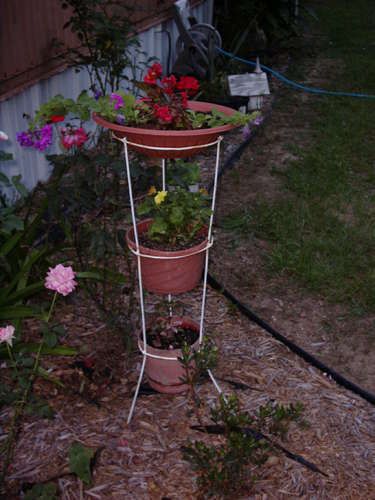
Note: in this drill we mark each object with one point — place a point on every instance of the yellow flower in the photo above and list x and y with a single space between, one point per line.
203 191
160 197
151 191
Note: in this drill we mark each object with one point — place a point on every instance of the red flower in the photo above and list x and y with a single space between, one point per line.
188 83
163 113
153 73
169 84
56 119
184 99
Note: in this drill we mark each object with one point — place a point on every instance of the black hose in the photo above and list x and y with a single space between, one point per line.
368 396
337 377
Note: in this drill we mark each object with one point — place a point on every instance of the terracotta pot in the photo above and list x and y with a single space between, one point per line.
164 375
171 275
170 138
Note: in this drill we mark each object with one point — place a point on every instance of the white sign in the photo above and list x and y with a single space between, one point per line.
248 84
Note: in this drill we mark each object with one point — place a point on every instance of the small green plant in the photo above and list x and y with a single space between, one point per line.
196 363
178 216
224 468
275 418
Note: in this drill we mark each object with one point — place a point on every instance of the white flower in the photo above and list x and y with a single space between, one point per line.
7 334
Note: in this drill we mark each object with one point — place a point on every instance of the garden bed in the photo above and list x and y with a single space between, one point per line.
144 460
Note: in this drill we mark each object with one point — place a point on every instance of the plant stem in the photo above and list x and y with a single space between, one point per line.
11 357
51 308
17 415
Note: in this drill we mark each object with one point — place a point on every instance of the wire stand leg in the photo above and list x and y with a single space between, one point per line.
131 411
204 295
163 174
139 268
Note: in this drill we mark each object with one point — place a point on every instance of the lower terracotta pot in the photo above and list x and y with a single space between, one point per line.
178 272
164 375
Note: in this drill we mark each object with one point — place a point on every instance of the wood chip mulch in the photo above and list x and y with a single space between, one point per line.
144 460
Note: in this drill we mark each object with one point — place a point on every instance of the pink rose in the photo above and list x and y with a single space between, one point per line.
7 334
61 279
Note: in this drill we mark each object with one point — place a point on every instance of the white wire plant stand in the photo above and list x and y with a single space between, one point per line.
136 251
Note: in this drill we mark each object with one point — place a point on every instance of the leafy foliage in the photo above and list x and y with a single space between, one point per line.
80 461
182 173
108 42
178 218
217 118
42 492
224 469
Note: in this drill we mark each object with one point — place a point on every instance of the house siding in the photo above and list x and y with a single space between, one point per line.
31 164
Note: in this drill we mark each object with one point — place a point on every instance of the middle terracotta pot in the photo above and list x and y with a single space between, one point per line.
176 272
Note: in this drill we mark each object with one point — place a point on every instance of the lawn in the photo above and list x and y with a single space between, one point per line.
321 227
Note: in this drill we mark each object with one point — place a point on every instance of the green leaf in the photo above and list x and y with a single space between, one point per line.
80 458
177 216
44 374
10 244
50 338
40 408
22 294
158 227
42 492
13 312
33 347
16 179
11 223
93 275
3 178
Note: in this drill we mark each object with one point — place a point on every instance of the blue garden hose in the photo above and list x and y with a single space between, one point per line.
291 83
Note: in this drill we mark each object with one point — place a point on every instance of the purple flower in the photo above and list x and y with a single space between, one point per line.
118 100
39 138
246 132
97 93
258 120
120 119
43 137
25 139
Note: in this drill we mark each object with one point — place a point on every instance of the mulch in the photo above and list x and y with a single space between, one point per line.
144 460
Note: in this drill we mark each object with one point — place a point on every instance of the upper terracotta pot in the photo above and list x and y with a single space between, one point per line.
170 138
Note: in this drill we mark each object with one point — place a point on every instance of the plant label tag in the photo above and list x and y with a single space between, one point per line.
248 84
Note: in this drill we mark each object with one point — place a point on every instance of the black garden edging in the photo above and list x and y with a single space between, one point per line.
312 360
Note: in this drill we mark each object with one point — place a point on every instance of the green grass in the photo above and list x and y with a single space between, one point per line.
323 229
